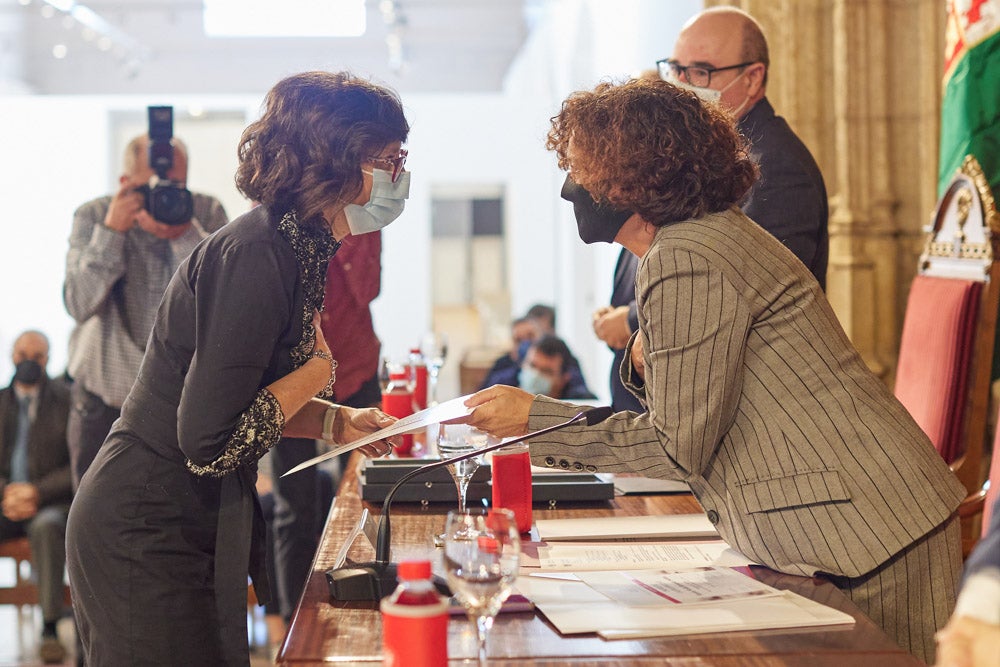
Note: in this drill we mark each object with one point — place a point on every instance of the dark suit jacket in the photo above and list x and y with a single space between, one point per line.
801 457
789 198
48 454
623 294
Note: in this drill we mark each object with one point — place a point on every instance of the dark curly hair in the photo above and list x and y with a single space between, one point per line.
306 150
653 148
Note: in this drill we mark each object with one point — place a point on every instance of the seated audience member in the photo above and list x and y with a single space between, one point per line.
972 636
800 456
543 316
547 369
35 479
523 332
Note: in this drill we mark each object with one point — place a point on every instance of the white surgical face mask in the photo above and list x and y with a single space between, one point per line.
534 382
708 94
385 204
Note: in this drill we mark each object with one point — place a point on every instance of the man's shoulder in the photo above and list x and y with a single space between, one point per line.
97 206
56 390
209 211
772 139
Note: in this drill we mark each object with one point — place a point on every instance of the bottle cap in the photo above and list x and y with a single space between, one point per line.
410 570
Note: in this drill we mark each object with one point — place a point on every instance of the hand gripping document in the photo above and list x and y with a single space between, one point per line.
453 409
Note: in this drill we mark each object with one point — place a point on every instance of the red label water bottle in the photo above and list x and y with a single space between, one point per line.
512 483
414 620
419 370
397 400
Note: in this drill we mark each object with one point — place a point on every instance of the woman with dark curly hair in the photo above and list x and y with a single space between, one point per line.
799 454
166 526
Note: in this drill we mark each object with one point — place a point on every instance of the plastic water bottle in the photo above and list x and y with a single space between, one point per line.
415 620
397 400
511 468
418 368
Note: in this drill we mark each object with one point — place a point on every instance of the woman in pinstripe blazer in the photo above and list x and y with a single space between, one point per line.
799 455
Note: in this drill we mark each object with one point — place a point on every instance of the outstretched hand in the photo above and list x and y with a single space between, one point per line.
500 410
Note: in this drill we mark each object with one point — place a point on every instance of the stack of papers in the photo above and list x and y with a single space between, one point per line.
674 526
651 603
648 576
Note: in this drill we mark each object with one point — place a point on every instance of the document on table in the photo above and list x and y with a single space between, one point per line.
653 588
453 409
582 556
677 526
574 606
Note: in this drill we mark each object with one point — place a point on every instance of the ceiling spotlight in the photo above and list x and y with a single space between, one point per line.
59 51
48 11
105 43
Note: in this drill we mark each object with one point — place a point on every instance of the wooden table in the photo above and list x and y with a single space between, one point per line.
323 631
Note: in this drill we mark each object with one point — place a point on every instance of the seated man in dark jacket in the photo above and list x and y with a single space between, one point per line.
548 368
35 479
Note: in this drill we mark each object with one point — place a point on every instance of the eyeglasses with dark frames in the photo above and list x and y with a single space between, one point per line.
696 75
394 165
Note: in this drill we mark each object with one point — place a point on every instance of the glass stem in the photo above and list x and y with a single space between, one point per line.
463 488
433 399
483 625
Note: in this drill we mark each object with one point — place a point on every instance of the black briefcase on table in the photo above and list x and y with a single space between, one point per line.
377 477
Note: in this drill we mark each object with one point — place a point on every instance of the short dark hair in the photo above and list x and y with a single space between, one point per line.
653 148
542 312
306 150
553 346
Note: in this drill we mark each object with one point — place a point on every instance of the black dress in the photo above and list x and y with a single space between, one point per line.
165 525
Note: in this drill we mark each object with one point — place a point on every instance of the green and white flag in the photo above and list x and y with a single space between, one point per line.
970 110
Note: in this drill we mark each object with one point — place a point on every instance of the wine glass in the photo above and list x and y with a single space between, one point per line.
482 549
434 347
455 440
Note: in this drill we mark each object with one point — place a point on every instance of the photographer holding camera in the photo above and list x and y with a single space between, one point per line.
121 257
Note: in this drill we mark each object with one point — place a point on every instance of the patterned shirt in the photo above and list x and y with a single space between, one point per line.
114 283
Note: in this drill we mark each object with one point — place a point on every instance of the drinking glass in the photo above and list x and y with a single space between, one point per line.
434 347
455 440
482 549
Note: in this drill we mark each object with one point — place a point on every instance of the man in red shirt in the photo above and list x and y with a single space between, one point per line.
301 502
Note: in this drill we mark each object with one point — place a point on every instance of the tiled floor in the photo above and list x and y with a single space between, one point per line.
20 630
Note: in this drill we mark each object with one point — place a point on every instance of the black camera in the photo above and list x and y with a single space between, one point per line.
165 200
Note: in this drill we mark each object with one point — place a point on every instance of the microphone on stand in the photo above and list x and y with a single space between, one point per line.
375 580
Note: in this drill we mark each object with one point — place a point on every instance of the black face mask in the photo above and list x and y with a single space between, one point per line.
28 372
594 222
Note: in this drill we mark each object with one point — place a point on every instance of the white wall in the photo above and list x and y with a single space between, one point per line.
60 152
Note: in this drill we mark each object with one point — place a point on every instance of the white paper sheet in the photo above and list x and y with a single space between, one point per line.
453 409
654 588
625 527
637 555
574 607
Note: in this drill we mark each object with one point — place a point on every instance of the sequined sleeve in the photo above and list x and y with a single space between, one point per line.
258 429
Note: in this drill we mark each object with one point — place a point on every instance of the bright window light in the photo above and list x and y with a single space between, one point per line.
284 18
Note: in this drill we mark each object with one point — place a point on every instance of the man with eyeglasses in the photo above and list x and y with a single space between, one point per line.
721 55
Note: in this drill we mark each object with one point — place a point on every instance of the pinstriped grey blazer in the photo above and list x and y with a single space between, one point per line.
799 454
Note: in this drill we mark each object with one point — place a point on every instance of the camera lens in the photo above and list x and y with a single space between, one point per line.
170 204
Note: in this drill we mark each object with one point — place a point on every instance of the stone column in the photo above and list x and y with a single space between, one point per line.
859 81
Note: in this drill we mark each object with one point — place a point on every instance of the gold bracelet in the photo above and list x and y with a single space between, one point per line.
328 417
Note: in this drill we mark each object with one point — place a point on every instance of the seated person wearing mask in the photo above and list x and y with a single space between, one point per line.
548 369
523 332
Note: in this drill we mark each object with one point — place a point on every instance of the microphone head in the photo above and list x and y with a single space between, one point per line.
597 415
